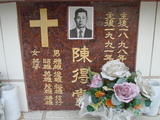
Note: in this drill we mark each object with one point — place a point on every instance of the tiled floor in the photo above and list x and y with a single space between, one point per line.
67 115
55 115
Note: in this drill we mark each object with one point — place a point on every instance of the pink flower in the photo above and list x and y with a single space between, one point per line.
126 92
96 82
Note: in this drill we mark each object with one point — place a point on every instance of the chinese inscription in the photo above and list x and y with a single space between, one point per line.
109 27
55 67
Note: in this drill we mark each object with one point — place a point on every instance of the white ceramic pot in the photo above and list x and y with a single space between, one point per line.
11 102
154 107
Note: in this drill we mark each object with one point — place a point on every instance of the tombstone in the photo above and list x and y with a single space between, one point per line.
56 64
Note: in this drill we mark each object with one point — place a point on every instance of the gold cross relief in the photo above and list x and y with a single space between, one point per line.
44 23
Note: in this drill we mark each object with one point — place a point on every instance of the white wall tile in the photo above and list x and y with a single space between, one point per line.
3 68
155 69
8 15
145 36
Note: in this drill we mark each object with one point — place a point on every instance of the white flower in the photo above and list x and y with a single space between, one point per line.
114 69
144 85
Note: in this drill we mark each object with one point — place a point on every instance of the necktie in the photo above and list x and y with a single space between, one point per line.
80 33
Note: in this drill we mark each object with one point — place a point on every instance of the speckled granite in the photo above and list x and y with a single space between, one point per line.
58 40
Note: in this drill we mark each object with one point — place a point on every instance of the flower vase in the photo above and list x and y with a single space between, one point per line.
11 102
154 107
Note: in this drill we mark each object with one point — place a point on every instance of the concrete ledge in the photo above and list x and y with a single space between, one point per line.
68 115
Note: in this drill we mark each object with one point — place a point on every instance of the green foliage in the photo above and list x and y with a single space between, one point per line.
132 77
94 99
105 88
94 90
90 108
127 105
137 112
121 105
90 74
111 84
138 97
147 103
88 92
121 80
108 93
107 96
115 101
136 102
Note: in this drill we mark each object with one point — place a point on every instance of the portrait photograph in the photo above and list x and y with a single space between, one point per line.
80 22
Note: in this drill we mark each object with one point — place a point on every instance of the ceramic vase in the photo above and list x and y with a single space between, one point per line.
11 102
154 107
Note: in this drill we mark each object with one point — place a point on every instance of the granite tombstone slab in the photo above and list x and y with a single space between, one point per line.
55 67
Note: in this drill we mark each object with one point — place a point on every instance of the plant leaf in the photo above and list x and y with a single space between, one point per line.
94 73
90 74
136 102
110 85
88 92
115 101
121 80
138 97
107 88
137 113
147 103
94 99
132 77
90 108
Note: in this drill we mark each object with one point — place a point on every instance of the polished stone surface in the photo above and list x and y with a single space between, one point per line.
122 38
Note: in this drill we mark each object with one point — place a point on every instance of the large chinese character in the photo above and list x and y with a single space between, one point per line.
58 76
108 57
123 20
122 45
79 93
56 53
48 100
83 53
35 63
109 35
47 76
122 57
81 74
109 44
47 64
75 75
109 20
58 100
109 50
48 89
123 24
123 33
58 89
57 64
35 53
84 75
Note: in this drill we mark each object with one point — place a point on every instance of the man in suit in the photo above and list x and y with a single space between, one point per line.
81 31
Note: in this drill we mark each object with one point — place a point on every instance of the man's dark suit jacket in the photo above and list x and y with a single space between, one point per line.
87 34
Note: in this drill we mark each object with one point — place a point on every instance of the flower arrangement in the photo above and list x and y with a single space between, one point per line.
115 88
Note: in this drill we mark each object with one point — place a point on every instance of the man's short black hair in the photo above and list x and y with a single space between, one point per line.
80 10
